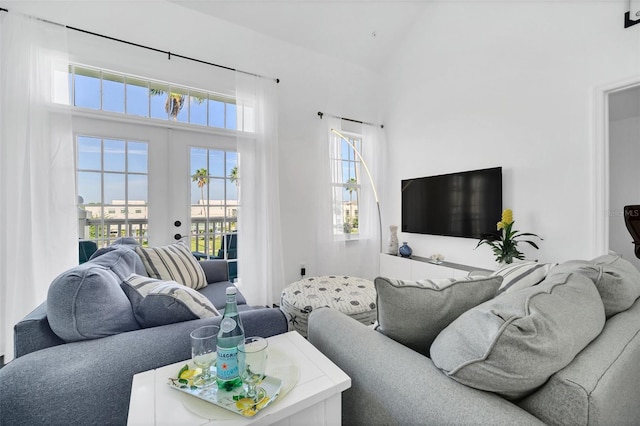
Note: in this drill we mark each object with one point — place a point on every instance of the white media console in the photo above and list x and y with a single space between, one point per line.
417 268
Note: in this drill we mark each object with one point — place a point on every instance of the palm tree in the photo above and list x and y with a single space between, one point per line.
175 101
351 182
233 175
201 176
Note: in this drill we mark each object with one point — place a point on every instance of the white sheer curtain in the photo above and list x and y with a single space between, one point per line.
38 222
354 256
260 263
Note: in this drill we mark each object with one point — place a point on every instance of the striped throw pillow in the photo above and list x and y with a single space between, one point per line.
517 276
166 302
173 263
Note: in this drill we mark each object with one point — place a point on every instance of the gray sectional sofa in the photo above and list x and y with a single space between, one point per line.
562 349
76 354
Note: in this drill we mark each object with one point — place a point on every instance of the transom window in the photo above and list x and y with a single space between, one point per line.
130 95
346 174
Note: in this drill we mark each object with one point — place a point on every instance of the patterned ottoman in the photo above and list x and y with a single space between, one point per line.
353 296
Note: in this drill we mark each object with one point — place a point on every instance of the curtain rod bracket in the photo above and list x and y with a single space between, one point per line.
320 114
169 55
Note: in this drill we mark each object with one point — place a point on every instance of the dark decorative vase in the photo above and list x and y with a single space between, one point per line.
405 250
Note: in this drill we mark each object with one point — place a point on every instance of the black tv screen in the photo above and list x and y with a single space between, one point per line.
466 204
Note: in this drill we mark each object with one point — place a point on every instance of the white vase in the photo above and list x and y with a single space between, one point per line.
392 247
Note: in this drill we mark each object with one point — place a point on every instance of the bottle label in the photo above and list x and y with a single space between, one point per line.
227 324
227 363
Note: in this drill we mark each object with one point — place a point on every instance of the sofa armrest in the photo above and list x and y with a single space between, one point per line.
392 384
215 270
89 382
33 333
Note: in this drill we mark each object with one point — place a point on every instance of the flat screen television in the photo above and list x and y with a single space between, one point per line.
466 204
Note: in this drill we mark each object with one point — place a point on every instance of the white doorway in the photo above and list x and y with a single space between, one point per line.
163 212
624 165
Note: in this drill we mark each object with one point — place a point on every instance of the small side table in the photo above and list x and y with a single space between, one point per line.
352 296
315 399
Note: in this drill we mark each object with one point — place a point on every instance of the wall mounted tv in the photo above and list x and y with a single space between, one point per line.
466 204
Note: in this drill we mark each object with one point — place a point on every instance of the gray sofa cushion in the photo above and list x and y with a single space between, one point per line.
122 243
620 296
86 302
414 312
617 280
600 386
512 344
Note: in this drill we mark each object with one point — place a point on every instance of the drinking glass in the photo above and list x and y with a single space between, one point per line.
203 353
252 360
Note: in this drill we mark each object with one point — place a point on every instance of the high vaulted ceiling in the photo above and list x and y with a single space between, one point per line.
363 32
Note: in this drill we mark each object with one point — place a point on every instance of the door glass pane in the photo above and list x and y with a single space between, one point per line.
216 163
89 153
112 189
137 153
214 206
114 157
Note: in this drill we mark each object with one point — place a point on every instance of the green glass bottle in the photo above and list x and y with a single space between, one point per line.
230 337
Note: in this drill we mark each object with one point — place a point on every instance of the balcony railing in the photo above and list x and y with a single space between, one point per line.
206 235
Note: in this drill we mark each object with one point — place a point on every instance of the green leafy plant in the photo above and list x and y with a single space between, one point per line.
505 244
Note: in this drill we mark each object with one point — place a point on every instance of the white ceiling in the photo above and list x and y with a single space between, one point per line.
364 32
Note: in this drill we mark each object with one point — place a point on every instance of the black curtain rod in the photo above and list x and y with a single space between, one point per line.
321 114
166 52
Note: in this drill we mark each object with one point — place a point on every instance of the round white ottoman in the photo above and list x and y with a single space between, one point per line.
353 296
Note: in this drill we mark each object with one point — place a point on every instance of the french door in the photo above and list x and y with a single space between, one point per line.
155 184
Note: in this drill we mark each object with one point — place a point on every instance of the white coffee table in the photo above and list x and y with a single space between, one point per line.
315 399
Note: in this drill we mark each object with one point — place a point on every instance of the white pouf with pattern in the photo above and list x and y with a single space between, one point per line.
353 296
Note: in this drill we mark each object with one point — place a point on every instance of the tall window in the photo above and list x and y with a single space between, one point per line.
112 178
346 174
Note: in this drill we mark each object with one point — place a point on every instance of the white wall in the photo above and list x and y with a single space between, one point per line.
308 83
483 83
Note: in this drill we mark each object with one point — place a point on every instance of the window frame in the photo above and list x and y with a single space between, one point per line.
341 185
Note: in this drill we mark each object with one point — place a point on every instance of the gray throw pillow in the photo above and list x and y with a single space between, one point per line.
173 263
170 302
414 312
86 302
512 344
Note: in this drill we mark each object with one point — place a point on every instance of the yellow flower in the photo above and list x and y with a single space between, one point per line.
500 225
507 217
